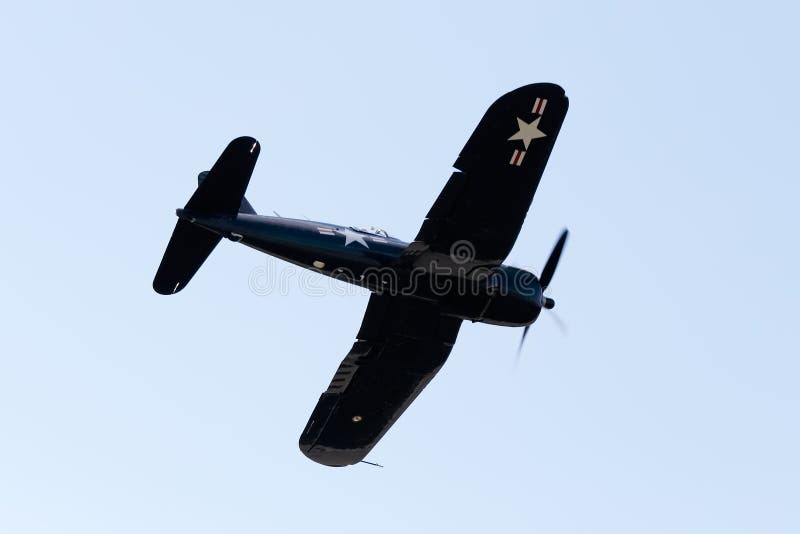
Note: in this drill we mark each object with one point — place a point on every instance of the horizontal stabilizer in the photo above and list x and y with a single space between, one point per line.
188 248
220 192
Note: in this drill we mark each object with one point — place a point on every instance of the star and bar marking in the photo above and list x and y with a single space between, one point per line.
350 236
527 132
538 106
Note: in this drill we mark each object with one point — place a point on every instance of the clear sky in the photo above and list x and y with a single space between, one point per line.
671 405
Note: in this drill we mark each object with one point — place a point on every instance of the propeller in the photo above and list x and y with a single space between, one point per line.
547 277
559 322
552 262
521 342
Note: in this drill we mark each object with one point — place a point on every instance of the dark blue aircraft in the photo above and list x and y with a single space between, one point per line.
421 291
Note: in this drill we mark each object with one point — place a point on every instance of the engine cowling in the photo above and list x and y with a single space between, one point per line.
515 297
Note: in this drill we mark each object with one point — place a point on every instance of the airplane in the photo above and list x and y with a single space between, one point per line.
421 291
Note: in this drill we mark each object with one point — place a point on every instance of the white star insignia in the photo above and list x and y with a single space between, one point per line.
352 237
528 132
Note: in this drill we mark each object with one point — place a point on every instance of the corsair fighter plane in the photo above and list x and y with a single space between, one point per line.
421 291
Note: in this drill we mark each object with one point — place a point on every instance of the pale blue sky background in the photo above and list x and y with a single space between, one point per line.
670 406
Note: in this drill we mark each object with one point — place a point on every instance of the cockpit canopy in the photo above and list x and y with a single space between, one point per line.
371 230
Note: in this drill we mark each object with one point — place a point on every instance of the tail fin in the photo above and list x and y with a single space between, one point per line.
244 207
220 192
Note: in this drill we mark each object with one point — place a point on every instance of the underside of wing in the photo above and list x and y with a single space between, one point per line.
401 345
483 206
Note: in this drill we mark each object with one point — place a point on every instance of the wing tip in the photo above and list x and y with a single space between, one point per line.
332 457
543 89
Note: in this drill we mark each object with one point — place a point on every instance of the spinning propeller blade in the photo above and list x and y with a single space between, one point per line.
547 277
559 322
552 261
522 341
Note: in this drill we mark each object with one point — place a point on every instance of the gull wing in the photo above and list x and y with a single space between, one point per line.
402 344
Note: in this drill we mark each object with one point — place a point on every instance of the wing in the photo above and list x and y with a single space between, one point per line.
402 343
482 207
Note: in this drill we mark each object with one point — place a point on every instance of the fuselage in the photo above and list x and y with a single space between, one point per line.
501 295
